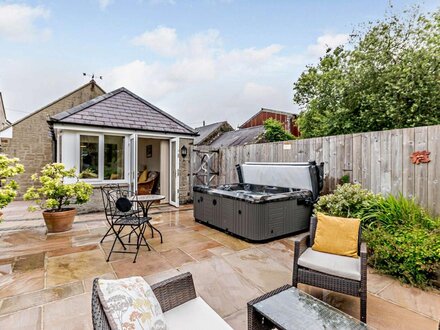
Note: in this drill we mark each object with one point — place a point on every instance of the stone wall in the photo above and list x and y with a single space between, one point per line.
185 175
31 140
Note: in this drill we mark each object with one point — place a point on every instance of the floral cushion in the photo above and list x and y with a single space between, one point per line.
130 304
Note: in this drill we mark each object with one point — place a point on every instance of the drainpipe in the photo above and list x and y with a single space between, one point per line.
54 142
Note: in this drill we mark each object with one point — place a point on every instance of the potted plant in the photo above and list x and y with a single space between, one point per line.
9 167
58 188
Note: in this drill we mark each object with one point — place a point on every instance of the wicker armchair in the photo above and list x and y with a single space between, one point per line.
170 293
327 281
149 186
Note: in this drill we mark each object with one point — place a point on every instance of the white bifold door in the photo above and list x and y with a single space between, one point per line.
133 162
174 172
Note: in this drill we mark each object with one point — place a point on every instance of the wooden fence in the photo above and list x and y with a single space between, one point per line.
380 161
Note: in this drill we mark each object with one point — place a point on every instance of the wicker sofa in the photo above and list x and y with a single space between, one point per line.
336 273
180 304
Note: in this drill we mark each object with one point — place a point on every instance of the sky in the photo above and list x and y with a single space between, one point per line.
205 60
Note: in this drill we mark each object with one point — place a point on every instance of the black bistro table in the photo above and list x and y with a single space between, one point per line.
289 308
145 202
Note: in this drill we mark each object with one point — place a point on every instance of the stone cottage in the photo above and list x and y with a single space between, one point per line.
120 138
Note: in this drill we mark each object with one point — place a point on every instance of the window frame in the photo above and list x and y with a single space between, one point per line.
101 145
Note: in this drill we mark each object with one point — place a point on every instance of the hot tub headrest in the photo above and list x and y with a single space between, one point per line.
287 175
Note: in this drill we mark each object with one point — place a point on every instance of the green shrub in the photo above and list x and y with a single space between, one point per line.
412 254
53 192
391 212
9 167
403 239
274 131
349 201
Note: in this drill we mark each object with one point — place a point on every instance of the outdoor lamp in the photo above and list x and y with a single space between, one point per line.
183 151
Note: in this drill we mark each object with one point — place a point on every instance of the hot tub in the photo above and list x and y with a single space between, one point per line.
272 200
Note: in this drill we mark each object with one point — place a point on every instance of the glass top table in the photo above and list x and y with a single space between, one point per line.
294 309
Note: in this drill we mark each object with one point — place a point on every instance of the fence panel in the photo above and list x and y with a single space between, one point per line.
380 161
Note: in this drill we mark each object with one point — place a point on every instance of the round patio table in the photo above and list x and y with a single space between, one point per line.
145 202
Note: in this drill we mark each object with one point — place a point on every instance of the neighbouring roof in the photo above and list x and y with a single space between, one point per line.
4 122
91 82
239 137
269 111
122 109
206 131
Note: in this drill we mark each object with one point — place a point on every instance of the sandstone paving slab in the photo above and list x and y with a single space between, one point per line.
281 250
177 257
238 320
106 247
260 269
221 251
200 246
70 250
229 241
377 282
224 289
147 263
177 240
425 302
75 266
28 319
19 283
90 238
228 273
29 262
73 313
202 255
15 244
88 282
158 277
24 301
382 314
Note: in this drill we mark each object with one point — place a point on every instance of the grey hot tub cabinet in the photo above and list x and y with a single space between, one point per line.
260 212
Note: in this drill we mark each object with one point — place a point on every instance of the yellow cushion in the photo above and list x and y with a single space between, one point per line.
143 177
337 235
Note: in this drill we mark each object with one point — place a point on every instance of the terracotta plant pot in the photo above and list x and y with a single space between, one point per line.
59 221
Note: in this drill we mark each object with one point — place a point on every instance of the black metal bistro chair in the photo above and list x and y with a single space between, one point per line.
105 190
117 191
121 210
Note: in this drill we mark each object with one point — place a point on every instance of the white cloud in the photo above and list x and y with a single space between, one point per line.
18 22
103 4
326 41
195 78
199 79
161 40
164 41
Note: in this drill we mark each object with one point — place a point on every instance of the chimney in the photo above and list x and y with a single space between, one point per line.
203 123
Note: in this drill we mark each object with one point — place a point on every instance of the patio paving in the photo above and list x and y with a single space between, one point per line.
46 280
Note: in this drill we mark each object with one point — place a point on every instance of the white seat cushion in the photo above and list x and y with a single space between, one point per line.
331 264
194 315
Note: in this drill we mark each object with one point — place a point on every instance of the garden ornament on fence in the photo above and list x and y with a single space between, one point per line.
419 157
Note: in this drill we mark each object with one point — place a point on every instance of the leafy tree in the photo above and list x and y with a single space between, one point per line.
274 131
387 77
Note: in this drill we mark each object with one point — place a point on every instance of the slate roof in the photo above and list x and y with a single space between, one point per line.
122 109
207 132
4 122
239 137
